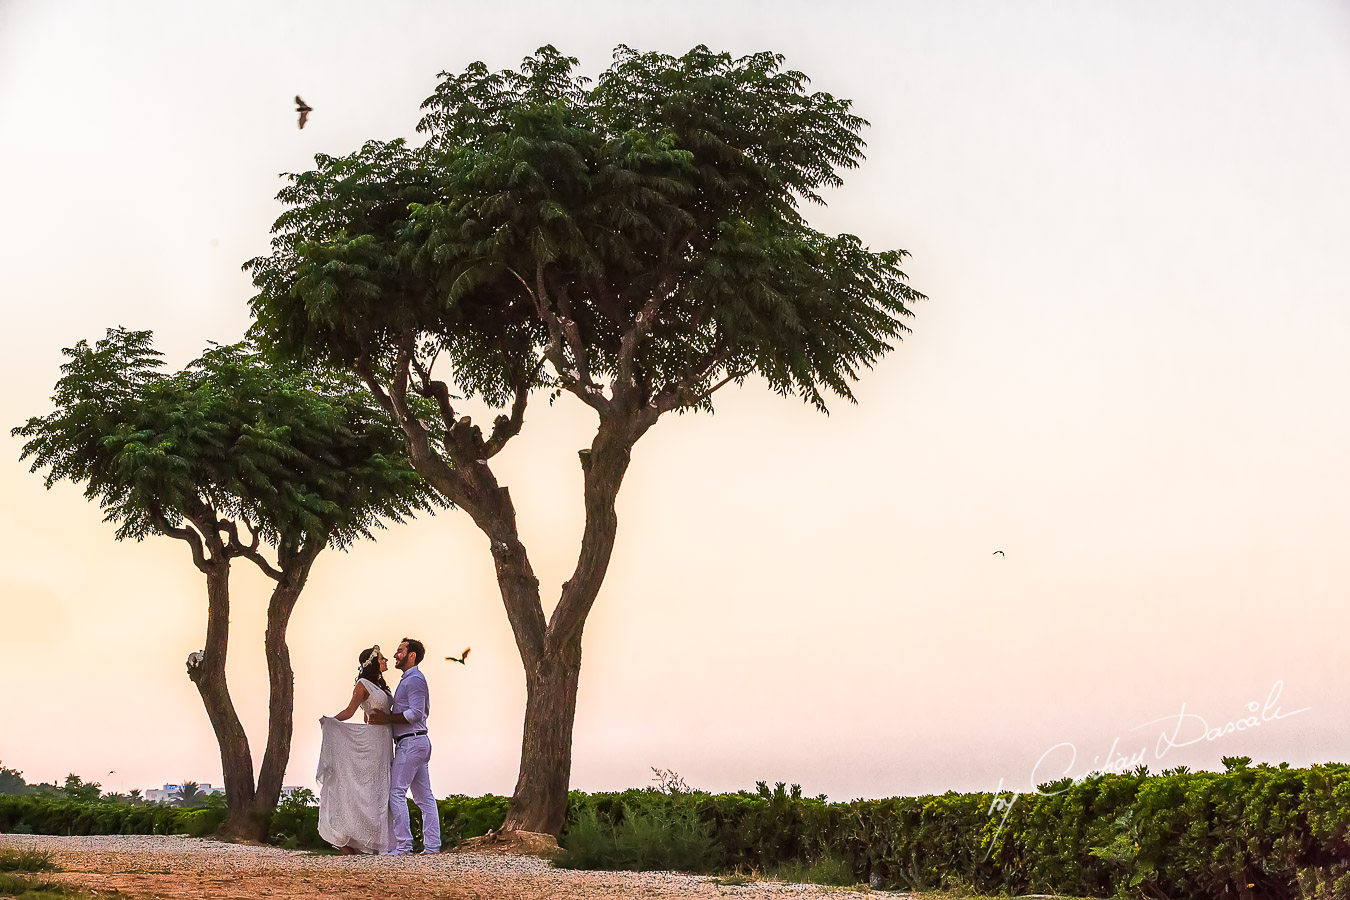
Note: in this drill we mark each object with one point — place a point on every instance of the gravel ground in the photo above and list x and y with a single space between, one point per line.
144 866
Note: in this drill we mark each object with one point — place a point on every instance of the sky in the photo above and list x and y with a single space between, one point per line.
1130 220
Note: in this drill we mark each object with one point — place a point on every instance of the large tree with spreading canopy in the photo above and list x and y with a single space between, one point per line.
239 458
637 243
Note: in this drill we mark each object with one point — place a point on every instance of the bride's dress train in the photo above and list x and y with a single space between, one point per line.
354 780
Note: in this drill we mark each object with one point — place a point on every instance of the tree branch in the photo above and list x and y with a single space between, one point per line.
432 467
580 358
570 376
419 438
646 318
235 547
641 327
192 538
506 427
682 392
440 392
367 372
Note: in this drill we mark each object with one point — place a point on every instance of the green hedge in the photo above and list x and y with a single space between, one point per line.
1253 833
57 815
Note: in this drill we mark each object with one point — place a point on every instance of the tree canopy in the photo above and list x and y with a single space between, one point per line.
293 455
645 229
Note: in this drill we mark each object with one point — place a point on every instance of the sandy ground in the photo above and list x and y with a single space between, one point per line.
143 866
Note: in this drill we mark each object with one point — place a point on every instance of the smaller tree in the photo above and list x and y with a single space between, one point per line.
134 797
11 781
225 455
76 788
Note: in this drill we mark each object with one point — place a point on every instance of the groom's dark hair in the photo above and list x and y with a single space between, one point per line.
415 646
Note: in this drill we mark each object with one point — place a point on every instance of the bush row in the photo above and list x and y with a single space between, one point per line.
1253 833
36 814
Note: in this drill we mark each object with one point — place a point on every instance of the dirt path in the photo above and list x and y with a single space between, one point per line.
144 866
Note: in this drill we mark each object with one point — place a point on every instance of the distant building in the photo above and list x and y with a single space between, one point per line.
169 793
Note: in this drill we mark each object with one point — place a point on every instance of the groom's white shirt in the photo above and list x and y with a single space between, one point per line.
413 700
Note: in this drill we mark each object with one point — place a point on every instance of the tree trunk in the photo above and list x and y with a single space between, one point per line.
281 683
540 799
539 802
236 761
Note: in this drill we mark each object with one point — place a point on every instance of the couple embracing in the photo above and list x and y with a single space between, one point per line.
365 771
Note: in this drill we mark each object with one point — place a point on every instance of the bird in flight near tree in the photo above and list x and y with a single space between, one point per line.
461 658
303 109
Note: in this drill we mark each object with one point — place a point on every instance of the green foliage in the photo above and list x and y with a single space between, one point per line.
1260 831
467 817
298 456
11 781
667 837
34 814
24 887
189 795
15 859
660 202
295 823
830 869
76 789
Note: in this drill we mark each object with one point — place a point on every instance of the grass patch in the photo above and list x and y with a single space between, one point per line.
13 859
829 869
27 887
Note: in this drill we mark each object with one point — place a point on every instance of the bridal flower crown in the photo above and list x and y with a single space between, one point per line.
369 658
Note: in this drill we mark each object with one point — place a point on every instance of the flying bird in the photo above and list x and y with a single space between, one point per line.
1000 553
303 109
461 658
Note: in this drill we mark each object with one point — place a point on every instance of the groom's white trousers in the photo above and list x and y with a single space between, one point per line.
411 756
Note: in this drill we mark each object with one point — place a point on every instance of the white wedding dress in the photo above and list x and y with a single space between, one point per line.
354 780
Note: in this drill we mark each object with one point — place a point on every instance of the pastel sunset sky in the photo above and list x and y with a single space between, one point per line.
1131 219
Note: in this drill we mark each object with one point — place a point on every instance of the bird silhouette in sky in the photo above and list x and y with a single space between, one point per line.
461 658
303 109
1000 553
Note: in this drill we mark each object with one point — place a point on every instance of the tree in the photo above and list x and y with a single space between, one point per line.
189 794
76 788
637 244
134 797
227 454
11 781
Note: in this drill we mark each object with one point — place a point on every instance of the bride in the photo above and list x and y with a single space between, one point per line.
354 766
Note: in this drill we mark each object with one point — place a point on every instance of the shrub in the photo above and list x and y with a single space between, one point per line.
664 836
295 824
466 817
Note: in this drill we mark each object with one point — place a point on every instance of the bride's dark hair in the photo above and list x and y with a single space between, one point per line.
371 670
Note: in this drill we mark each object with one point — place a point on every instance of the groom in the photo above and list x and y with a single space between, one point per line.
412 752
